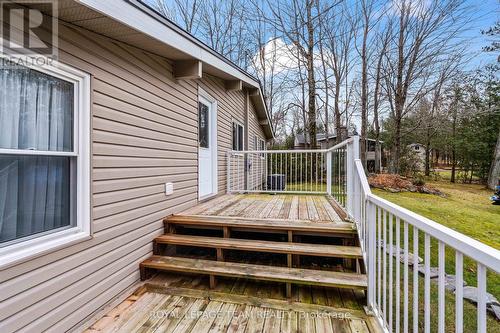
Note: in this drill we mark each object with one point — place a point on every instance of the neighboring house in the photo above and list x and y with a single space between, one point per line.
302 142
133 103
418 151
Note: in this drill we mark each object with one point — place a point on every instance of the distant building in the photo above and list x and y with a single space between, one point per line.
418 150
302 142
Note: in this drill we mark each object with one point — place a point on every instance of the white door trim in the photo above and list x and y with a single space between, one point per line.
206 98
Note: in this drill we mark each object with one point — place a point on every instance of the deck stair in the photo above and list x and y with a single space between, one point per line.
292 247
268 225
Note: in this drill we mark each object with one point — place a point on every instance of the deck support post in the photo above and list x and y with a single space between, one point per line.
220 255
212 282
171 249
289 258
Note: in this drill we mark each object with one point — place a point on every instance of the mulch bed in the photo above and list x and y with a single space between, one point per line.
396 183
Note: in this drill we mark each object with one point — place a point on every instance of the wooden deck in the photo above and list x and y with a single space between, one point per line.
183 303
294 207
179 302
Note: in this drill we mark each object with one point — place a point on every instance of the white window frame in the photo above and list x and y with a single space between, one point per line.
259 145
36 245
262 144
234 121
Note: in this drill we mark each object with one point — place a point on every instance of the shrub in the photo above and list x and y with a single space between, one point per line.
418 180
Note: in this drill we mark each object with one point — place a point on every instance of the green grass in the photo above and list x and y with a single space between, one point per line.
466 209
445 175
306 186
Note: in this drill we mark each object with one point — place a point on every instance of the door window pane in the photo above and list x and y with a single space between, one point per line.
204 124
36 110
235 136
34 195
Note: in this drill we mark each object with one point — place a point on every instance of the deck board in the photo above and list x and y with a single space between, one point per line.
258 272
185 304
285 206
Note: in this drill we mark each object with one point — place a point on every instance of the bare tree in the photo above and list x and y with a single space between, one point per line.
223 27
297 22
184 12
339 38
367 19
446 71
424 31
325 75
383 41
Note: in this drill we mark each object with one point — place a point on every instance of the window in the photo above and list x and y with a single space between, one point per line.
262 145
258 143
44 158
204 124
237 136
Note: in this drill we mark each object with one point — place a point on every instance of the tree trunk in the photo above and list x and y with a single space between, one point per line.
494 175
453 166
364 89
428 157
453 138
338 120
311 82
378 153
397 146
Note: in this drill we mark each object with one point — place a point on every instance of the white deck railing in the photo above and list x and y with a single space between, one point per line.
392 238
314 171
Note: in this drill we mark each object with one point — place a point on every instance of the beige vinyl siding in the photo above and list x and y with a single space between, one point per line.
254 128
258 162
144 134
230 106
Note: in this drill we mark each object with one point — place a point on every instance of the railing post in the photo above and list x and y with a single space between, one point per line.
352 154
350 180
355 147
329 172
371 251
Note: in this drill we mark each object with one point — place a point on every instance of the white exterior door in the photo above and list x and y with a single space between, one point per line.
207 148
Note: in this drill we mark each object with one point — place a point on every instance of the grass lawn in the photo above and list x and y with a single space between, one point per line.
466 209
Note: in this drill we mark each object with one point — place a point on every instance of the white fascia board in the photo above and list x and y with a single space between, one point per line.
129 15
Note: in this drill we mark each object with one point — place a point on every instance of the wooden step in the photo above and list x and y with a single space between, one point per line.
302 226
256 272
321 250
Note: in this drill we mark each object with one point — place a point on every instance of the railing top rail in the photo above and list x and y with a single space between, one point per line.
341 144
270 151
362 177
470 247
282 151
